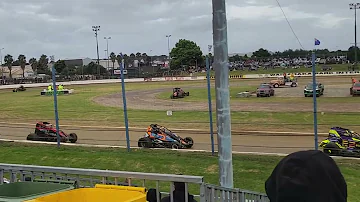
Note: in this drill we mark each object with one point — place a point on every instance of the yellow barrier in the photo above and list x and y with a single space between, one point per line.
100 193
230 77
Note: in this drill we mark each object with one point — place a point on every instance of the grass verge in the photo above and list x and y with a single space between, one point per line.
250 171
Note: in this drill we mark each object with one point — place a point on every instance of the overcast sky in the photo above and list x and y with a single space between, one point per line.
63 27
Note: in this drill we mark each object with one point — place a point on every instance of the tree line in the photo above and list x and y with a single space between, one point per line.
185 54
40 66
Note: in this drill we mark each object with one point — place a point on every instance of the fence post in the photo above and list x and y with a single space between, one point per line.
55 100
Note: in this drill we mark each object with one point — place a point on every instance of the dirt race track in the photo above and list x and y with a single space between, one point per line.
241 143
334 87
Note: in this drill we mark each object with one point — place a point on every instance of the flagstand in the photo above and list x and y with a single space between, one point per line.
314 100
317 42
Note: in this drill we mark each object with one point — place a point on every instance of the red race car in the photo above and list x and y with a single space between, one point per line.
45 131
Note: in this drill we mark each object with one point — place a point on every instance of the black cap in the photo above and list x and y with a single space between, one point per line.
306 176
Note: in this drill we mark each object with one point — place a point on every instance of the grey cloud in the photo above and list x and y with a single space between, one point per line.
63 28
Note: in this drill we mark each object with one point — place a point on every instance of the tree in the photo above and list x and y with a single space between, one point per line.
138 54
351 53
144 55
60 66
22 62
185 52
43 65
118 59
92 69
113 60
132 55
261 53
34 64
8 59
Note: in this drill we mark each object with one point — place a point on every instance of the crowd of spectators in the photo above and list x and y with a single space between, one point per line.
283 63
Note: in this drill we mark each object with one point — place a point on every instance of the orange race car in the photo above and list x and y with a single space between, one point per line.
161 137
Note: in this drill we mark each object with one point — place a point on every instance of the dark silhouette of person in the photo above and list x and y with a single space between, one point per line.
306 176
179 194
151 195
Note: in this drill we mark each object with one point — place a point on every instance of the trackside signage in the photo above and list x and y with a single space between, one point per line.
192 78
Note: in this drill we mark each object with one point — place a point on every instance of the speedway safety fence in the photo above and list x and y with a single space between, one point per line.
183 78
163 183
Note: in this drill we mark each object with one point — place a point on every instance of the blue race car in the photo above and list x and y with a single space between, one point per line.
160 137
341 142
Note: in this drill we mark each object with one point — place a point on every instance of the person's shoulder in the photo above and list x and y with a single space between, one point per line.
165 199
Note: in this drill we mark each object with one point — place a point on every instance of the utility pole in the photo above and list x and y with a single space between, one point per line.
355 6
2 68
96 29
153 69
223 116
168 37
107 49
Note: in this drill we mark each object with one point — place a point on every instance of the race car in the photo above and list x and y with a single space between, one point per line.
160 137
341 142
178 93
21 88
45 131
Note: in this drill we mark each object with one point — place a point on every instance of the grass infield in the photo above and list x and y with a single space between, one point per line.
250 171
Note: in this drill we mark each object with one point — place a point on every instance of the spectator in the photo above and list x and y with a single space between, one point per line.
306 176
179 194
151 195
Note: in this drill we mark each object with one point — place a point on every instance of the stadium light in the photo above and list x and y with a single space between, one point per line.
96 29
355 6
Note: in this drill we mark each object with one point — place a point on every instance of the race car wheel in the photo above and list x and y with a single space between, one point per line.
188 93
145 142
190 142
332 150
73 137
276 85
174 146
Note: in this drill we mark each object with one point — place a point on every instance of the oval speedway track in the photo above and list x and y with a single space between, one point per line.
241 142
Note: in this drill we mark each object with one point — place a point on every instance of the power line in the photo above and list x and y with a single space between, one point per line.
297 38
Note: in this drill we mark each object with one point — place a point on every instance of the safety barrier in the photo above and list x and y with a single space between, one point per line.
189 78
90 177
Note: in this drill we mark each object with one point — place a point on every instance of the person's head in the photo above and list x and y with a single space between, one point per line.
306 176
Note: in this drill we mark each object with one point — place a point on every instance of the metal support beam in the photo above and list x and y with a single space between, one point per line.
222 93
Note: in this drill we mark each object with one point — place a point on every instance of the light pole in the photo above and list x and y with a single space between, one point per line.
96 29
1 57
107 49
223 115
168 37
355 6
151 61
